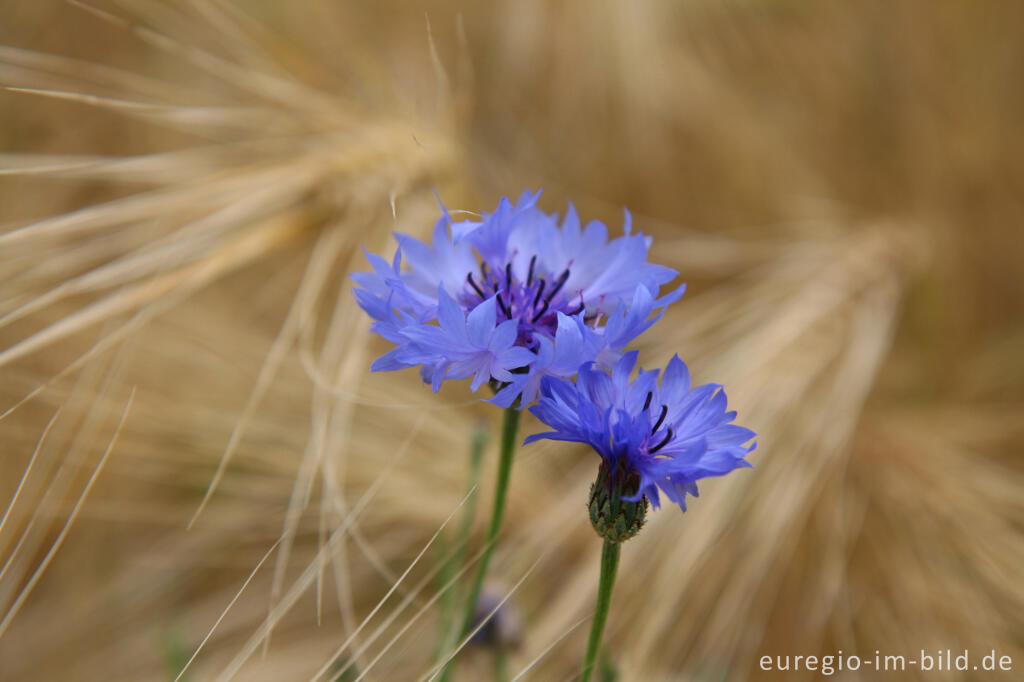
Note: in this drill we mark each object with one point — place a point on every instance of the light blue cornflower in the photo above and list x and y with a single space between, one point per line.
512 298
665 436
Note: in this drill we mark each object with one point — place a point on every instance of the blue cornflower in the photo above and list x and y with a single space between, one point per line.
650 436
512 298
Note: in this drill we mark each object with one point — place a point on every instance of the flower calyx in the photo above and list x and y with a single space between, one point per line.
614 518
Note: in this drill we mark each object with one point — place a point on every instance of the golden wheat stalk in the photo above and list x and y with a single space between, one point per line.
181 229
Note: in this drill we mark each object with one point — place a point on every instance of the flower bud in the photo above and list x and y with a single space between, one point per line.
614 518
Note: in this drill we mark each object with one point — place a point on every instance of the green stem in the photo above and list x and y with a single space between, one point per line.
609 567
508 446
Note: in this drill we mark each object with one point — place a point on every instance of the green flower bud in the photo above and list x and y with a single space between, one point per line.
613 518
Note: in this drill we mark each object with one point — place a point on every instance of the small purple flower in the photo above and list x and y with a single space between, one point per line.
664 436
512 298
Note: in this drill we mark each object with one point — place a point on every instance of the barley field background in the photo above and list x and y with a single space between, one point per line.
195 456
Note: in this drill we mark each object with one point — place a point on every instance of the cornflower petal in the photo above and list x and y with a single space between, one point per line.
452 318
480 322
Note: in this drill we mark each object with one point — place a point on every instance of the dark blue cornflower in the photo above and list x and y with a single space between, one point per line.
665 436
512 298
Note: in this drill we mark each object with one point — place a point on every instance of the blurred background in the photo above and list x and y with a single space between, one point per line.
185 403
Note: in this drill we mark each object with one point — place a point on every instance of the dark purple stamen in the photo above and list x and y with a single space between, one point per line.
543 309
657 425
508 278
478 290
504 308
647 403
529 275
540 290
659 446
558 285
581 306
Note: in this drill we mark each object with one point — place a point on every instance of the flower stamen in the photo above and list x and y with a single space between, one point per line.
661 418
540 291
581 306
558 286
478 290
541 312
659 446
504 307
